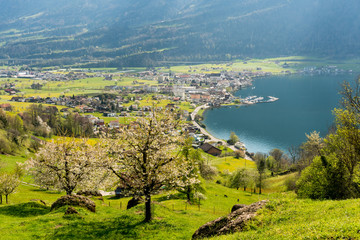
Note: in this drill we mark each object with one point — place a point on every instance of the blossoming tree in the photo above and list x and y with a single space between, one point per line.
8 183
67 164
146 156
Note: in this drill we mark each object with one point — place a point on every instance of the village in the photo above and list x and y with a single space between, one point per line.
123 101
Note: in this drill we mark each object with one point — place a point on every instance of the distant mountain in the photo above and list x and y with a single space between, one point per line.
144 32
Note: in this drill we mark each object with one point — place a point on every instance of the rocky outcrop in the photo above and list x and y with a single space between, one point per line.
237 206
234 222
71 211
72 200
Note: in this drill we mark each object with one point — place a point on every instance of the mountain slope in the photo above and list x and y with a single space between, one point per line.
142 32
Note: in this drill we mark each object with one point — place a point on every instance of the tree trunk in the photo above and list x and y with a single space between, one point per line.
244 189
0 199
148 216
260 184
188 196
6 196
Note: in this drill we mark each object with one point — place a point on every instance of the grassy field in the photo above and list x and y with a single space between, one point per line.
174 218
251 65
76 87
230 163
266 65
289 218
273 65
8 162
285 217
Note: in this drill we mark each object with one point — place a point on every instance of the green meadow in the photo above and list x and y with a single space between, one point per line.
285 216
272 65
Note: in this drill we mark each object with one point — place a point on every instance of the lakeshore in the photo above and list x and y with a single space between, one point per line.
304 106
212 138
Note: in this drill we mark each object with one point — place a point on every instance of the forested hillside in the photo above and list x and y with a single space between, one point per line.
120 32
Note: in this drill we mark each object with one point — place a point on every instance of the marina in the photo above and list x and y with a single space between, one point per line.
256 99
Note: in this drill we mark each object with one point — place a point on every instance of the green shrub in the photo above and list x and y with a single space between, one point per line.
325 178
290 183
5 145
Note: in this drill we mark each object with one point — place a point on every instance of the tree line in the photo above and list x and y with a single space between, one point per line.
40 121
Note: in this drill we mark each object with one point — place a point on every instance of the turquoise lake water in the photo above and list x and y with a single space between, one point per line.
305 104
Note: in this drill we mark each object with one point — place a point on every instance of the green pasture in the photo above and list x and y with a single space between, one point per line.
285 216
273 65
231 164
253 65
73 87
8 162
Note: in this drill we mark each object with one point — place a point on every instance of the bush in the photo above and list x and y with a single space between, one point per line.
207 172
325 178
5 145
239 154
290 183
34 145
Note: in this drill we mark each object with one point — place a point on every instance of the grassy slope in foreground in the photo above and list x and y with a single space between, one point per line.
173 218
289 218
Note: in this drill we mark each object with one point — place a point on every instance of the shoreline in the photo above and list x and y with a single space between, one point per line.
212 138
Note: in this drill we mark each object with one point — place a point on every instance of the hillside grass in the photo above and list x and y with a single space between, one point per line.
174 218
286 217
8 162
231 164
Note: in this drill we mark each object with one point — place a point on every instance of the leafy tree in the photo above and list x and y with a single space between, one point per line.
240 178
233 139
146 157
75 126
313 182
8 183
67 164
3 119
345 144
323 179
278 156
194 159
260 159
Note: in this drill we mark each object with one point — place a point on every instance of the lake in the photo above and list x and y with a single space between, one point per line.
305 104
